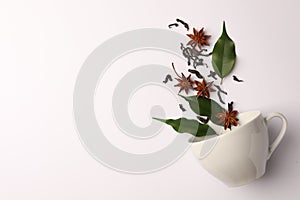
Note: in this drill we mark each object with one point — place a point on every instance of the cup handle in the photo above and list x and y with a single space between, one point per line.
276 142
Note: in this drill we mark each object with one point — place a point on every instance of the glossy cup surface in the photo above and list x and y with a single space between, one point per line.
239 156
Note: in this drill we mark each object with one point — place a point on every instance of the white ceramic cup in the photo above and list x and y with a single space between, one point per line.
239 156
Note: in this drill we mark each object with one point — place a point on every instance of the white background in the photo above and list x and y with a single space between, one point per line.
43 45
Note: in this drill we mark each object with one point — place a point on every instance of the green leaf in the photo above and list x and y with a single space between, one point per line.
193 127
223 55
204 107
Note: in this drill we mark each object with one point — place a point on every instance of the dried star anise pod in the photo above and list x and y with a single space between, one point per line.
203 88
185 83
228 118
198 38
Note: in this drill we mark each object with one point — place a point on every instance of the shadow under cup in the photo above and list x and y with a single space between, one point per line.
239 156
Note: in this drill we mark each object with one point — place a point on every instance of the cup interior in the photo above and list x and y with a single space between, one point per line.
244 118
247 117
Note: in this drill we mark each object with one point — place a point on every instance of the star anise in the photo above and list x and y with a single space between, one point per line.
203 88
228 118
185 83
198 38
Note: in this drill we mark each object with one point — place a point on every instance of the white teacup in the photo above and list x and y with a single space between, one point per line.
239 156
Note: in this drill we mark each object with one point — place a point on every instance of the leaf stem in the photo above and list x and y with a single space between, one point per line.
158 119
175 70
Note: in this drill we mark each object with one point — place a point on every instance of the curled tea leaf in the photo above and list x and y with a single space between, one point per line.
203 120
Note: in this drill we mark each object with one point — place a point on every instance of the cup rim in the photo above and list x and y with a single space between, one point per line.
257 114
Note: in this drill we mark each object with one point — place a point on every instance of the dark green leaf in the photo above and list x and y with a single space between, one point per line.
223 55
183 125
204 107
